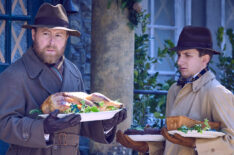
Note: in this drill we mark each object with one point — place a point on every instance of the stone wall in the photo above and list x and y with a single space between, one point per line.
80 47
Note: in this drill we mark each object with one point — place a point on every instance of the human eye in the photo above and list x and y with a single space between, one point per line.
45 33
59 36
188 55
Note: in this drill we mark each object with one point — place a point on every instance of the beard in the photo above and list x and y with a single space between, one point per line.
46 57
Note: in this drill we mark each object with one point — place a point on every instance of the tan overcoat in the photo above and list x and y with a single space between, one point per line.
204 98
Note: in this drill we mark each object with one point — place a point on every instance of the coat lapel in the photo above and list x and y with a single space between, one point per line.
49 81
69 80
37 69
72 80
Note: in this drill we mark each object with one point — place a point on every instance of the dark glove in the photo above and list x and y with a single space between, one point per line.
118 118
178 139
124 140
52 123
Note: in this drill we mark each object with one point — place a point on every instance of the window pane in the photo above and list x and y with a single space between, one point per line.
164 12
229 11
2 38
19 7
2 7
18 40
198 12
166 64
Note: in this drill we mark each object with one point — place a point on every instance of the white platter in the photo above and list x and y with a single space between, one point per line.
195 134
147 138
92 116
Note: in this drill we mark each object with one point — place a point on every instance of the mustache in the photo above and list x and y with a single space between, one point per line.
51 47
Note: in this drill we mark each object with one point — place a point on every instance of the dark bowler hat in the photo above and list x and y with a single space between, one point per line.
52 17
193 37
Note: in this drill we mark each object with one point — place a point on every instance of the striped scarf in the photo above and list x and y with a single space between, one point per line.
58 68
182 81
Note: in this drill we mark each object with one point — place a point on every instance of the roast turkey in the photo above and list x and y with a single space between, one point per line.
63 101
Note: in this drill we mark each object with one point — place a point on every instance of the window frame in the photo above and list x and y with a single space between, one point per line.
181 7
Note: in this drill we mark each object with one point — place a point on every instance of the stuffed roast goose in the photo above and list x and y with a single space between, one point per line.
107 103
63 101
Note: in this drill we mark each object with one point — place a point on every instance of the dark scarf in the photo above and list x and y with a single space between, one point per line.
182 81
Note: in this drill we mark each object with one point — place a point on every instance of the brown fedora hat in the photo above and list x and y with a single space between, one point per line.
193 37
52 17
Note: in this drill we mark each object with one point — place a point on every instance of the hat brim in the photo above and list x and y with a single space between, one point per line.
186 48
70 31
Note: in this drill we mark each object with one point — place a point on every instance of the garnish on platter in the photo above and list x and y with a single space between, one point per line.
187 127
80 103
196 127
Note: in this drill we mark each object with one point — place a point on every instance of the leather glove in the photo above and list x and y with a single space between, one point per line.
124 140
178 139
118 118
52 123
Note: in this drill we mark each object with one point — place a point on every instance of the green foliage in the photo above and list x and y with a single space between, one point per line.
134 16
143 80
226 63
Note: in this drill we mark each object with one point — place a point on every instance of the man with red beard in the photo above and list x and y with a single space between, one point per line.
43 70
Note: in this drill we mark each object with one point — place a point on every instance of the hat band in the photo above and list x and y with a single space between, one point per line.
51 21
195 44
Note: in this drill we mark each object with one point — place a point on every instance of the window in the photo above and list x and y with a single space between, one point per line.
166 22
227 20
13 14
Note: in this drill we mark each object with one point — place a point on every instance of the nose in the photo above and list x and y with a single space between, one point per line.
52 40
179 60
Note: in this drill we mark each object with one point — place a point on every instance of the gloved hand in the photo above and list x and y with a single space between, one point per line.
118 118
178 139
124 140
52 123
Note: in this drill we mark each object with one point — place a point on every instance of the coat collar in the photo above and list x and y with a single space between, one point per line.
208 76
37 69
32 64
70 76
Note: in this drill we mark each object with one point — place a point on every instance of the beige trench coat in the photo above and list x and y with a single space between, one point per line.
204 98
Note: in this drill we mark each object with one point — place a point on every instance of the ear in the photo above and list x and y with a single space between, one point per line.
68 35
205 59
33 34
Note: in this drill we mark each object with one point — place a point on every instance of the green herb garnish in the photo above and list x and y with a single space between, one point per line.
183 128
197 127
111 108
73 109
35 111
207 126
101 104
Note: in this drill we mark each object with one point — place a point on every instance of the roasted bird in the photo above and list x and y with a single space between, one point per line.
107 103
64 101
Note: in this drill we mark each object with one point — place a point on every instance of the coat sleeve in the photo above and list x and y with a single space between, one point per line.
15 127
221 102
94 130
171 95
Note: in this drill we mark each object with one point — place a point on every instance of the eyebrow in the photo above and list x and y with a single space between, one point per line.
189 52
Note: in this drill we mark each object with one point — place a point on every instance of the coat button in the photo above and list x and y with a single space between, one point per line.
55 147
25 136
